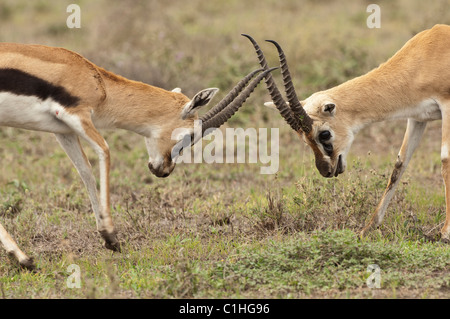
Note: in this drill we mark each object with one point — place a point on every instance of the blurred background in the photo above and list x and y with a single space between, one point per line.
195 44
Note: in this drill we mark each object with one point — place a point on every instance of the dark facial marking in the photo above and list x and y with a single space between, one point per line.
328 148
322 165
22 83
324 136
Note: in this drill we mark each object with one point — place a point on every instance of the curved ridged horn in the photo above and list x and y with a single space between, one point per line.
229 97
275 94
225 114
294 103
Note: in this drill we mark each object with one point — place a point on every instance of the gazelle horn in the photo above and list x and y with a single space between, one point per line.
228 111
224 110
294 103
294 114
229 97
275 94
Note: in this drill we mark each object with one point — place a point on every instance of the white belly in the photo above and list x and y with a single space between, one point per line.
31 113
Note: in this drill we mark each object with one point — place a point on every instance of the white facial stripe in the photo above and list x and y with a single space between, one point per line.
151 142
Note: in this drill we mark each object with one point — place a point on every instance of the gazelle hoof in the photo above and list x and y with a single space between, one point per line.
365 231
111 241
27 264
113 246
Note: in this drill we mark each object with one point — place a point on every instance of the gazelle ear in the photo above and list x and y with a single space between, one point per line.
329 109
200 99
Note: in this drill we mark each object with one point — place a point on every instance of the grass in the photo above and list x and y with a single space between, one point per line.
191 237
225 230
336 261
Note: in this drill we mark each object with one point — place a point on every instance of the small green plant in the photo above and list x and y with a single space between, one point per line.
12 205
341 203
338 260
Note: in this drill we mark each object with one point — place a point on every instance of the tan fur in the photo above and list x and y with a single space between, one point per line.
57 66
413 84
106 100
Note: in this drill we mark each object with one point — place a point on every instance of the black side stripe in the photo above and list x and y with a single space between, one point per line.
22 83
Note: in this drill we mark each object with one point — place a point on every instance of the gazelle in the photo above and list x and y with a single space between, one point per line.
414 84
58 91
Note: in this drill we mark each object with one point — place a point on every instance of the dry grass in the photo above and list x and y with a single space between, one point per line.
177 232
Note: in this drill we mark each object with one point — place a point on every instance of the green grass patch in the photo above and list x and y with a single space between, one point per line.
330 260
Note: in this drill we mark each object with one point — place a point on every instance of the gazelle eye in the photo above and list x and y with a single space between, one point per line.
324 136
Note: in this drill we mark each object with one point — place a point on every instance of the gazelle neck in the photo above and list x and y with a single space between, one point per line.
136 106
385 93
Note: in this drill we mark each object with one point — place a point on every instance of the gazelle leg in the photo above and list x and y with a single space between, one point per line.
71 145
413 135
445 231
13 250
445 158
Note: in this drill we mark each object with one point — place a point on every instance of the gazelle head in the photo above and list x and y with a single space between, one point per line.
330 137
314 119
166 143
